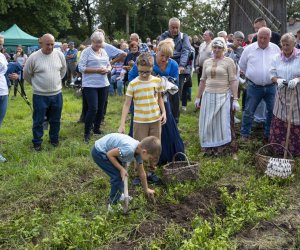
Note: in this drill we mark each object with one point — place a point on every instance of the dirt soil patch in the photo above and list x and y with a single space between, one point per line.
279 233
205 203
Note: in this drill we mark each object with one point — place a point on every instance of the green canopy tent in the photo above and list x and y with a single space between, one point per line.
14 36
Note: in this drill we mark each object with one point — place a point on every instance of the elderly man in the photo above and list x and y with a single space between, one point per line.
71 58
255 62
44 69
204 52
181 55
143 47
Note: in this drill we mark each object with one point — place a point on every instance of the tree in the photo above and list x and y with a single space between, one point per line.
36 17
293 8
201 16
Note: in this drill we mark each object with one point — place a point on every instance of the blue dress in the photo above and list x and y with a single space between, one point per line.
171 141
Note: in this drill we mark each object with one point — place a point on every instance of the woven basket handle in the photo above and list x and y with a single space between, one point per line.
277 144
180 153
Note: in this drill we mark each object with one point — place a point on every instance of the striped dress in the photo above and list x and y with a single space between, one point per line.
286 68
145 98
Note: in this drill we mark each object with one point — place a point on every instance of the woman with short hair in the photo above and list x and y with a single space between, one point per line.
285 72
217 99
94 65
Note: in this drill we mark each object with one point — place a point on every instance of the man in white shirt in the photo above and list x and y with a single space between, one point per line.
44 69
255 62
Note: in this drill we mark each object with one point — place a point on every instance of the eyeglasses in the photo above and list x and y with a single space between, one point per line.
145 72
217 47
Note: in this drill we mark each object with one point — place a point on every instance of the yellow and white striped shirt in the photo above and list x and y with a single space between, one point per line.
145 98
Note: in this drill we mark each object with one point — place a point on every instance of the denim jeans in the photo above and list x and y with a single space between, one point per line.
116 183
95 98
3 107
255 94
50 106
116 84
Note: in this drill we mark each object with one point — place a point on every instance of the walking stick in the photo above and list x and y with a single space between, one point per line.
289 123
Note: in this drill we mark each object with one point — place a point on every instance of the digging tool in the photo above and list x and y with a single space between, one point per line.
126 196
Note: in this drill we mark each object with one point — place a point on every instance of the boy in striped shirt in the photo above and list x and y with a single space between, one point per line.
149 110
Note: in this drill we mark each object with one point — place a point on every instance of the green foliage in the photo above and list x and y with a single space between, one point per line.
293 7
259 199
57 198
37 17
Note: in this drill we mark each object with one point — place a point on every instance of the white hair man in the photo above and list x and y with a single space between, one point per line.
181 55
255 62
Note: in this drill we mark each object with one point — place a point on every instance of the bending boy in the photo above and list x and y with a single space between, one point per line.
112 150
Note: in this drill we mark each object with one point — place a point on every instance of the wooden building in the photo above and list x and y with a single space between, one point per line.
242 13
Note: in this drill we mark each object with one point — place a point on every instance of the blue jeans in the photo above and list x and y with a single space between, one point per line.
50 106
255 94
116 84
116 183
3 107
95 98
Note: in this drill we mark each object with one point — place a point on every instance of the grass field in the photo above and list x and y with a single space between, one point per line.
56 198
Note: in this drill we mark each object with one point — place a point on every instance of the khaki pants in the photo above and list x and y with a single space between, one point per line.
142 130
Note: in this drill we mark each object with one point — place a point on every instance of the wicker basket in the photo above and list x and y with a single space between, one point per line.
263 160
180 170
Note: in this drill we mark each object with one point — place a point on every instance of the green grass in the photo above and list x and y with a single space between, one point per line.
56 198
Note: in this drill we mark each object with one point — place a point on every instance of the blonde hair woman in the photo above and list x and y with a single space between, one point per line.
217 100
164 65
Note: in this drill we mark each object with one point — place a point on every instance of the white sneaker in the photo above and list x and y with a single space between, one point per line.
122 198
237 120
2 159
114 208
183 108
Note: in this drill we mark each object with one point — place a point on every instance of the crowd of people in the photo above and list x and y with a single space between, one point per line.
156 79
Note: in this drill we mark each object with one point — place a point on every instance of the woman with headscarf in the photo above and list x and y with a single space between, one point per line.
285 72
217 99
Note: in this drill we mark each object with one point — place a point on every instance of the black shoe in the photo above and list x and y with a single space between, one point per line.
37 147
54 143
98 132
86 139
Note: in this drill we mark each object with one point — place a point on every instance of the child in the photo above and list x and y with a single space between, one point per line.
116 82
112 150
149 109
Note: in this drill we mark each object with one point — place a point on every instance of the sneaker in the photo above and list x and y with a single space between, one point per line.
86 139
122 198
97 132
37 147
236 120
113 208
54 143
153 178
2 159
136 181
183 108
